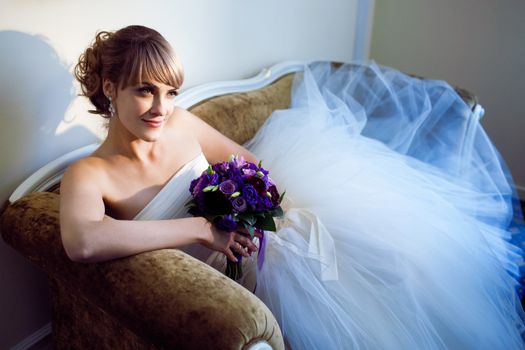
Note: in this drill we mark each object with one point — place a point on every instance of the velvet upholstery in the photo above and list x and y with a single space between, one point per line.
157 300
240 115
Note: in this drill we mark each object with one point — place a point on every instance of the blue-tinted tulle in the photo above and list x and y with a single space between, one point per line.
417 204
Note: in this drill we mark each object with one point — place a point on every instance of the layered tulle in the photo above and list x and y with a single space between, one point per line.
397 213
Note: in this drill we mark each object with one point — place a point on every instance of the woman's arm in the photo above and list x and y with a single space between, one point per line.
215 146
88 235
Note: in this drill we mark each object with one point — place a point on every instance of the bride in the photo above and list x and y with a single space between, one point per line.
395 234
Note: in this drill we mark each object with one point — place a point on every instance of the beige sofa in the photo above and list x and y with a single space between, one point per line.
162 299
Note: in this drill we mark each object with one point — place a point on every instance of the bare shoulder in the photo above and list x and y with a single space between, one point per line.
183 117
215 146
86 173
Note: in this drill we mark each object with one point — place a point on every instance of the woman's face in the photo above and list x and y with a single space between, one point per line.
144 109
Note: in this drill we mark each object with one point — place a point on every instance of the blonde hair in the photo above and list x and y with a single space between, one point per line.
126 57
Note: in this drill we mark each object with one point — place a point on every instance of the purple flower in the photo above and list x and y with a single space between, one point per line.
226 223
201 182
213 179
264 171
228 187
250 194
249 172
234 174
238 162
234 189
250 166
220 167
264 204
257 183
275 195
199 186
193 184
239 204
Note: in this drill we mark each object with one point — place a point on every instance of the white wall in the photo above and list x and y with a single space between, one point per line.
476 44
41 117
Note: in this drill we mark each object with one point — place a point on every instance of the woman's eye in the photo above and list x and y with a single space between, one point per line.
172 94
146 90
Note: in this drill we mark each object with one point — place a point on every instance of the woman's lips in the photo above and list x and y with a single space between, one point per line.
153 123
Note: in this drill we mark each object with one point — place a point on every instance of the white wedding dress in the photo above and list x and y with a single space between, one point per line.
397 208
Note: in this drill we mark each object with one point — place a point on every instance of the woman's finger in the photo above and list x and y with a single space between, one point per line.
240 249
229 254
247 242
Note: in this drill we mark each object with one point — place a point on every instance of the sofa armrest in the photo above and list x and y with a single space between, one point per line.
167 297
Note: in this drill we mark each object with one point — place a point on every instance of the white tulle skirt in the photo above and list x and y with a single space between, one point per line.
397 209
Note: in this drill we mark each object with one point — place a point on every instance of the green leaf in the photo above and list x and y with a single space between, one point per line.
235 194
281 197
277 212
248 218
251 230
266 223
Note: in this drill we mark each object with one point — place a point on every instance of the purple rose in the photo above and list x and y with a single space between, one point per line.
227 187
250 194
239 204
226 223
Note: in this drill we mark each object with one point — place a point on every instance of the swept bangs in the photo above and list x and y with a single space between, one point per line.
152 61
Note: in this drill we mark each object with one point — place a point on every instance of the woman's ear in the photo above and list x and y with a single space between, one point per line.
108 88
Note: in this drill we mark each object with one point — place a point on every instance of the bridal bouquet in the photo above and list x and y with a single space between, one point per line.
233 195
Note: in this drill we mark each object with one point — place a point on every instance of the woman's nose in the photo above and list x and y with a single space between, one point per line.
159 107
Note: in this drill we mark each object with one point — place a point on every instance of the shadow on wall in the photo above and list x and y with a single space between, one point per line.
36 92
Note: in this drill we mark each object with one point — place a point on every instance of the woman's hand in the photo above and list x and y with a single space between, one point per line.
229 243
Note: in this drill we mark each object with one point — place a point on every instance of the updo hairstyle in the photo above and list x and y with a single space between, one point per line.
126 57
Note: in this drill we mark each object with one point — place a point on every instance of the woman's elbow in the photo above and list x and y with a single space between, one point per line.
78 253
76 247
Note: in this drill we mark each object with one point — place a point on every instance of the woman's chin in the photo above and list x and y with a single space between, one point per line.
151 136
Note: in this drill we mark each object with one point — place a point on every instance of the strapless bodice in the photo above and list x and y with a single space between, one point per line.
169 202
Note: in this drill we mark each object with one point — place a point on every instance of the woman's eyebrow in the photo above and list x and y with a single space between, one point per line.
148 84
155 87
